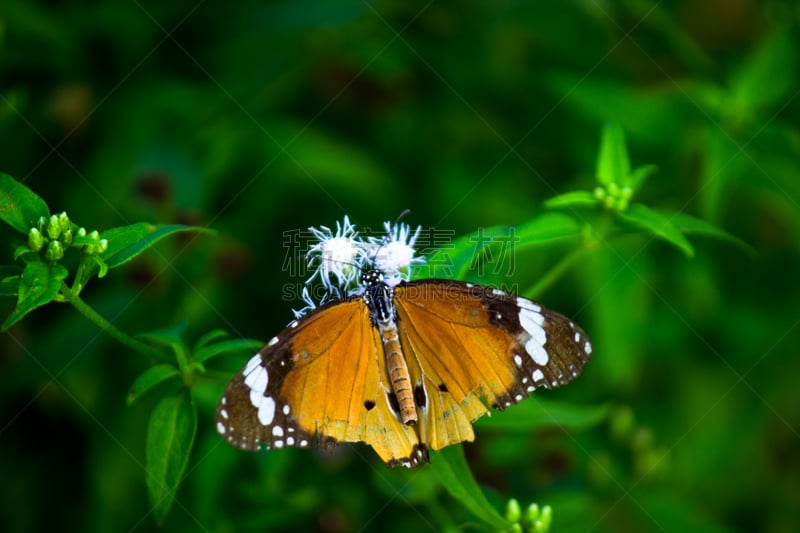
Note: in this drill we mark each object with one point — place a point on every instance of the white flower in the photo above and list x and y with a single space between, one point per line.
394 254
337 257
310 304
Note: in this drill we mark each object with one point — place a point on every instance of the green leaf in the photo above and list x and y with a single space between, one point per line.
170 436
226 347
171 337
613 165
149 379
39 285
10 277
766 77
539 412
20 207
658 224
542 230
546 229
695 226
571 199
454 474
464 251
125 243
208 338
640 174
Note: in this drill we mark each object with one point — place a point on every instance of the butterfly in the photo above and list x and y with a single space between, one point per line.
404 368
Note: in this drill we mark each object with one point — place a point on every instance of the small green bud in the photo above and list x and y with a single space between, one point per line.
622 204
35 240
599 193
54 251
63 221
66 237
41 224
613 189
95 235
81 232
609 202
53 227
513 511
103 246
626 193
545 519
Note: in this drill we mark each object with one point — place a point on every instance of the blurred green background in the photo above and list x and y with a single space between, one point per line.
257 118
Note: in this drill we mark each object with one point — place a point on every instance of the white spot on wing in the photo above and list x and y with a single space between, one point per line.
266 411
277 431
286 409
577 337
257 379
529 305
254 362
497 292
518 359
256 397
538 375
537 352
587 348
273 341
290 441
223 413
220 428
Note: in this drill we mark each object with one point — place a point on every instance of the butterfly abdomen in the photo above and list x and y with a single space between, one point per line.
398 373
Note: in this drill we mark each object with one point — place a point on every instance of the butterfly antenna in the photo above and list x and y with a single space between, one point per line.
403 213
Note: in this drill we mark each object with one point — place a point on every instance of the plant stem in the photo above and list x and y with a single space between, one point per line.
552 275
593 238
98 320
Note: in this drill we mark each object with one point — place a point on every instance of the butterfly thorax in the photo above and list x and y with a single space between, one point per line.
378 296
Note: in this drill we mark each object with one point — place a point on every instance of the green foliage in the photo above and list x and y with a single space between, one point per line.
483 119
170 436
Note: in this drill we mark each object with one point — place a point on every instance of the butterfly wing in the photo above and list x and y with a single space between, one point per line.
321 381
469 346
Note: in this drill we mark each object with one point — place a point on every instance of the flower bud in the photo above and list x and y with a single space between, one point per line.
94 235
513 511
66 237
53 227
63 221
81 232
599 192
35 239
41 223
54 251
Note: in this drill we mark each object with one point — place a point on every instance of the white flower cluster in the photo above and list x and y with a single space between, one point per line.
338 259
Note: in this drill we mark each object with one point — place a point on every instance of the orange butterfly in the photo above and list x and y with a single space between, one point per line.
403 367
